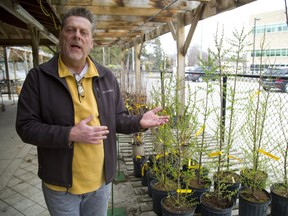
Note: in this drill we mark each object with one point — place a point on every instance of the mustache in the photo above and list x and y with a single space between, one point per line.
76 44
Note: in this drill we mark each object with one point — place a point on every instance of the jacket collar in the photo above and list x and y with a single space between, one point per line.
51 67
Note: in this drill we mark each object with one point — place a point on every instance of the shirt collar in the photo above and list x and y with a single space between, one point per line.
64 71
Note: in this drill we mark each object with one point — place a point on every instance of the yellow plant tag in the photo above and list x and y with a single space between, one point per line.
160 155
184 191
189 162
194 167
143 169
268 154
199 131
235 158
215 154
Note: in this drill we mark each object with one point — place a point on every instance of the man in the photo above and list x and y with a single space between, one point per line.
71 108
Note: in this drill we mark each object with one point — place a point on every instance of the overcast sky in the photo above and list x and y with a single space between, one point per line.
231 20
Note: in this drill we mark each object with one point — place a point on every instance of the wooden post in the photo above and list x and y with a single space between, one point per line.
35 39
6 57
137 62
181 57
26 63
123 74
103 56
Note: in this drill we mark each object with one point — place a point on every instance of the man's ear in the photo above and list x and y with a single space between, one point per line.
92 43
59 38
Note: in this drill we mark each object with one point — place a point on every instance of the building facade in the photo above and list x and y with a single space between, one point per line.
269 37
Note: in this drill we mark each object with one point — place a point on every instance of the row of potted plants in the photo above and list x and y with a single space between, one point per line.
180 176
185 181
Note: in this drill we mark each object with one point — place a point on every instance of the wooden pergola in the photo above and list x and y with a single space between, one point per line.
122 23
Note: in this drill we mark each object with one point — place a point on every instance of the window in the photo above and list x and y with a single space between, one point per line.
283 52
271 28
270 52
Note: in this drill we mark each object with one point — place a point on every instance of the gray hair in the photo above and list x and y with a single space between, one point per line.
82 12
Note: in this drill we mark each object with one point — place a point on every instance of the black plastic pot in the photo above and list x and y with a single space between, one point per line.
167 212
149 179
279 204
144 178
248 208
197 192
157 196
138 161
207 210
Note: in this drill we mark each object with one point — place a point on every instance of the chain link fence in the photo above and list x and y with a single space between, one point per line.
255 120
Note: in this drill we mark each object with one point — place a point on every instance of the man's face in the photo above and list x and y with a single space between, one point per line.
76 39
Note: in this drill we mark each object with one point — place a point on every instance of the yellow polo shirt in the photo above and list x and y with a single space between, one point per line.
88 159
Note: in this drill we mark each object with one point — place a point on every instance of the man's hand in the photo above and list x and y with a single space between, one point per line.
84 133
150 119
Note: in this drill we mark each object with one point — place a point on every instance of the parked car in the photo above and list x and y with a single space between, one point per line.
273 78
197 74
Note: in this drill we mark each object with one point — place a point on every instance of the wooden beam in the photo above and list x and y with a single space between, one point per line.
19 12
24 42
172 29
122 11
148 36
130 19
158 4
214 7
115 25
121 34
2 30
193 26
20 33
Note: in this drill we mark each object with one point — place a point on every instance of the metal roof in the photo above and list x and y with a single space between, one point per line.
122 23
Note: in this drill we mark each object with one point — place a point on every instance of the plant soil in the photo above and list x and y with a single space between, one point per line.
168 185
281 191
203 183
171 204
227 177
211 200
259 196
